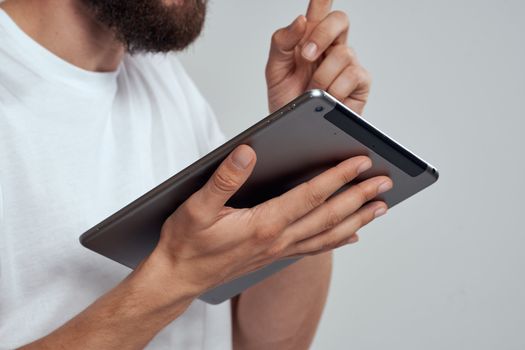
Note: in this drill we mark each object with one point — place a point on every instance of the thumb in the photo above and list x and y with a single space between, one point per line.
285 40
227 179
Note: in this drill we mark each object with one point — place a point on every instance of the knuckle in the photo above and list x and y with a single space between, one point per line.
347 175
339 52
361 74
332 244
341 16
307 254
351 52
317 252
276 36
358 73
343 53
337 93
362 77
366 76
276 40
266 232
353 73
367 218
344 241
333 218
328 244
224 181
191 212
321 35
320 247
313 195
361 193
276 250
318 81
362 219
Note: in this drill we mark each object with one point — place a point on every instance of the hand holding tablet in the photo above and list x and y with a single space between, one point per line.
228 220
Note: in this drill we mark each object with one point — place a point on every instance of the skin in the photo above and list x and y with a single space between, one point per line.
302 287
204 243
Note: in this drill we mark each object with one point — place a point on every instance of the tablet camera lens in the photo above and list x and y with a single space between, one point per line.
319 108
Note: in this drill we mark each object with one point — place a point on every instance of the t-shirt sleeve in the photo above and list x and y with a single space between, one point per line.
205 125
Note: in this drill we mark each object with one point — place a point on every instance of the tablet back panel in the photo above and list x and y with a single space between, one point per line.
304 138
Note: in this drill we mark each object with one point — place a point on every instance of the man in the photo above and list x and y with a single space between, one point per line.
92 115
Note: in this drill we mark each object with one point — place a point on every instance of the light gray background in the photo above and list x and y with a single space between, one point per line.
445 270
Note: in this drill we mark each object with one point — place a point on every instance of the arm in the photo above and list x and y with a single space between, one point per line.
127 317
204 243
283 311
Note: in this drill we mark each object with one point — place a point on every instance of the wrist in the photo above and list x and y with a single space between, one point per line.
162 283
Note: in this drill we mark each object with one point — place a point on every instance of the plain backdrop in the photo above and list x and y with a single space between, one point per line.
445 269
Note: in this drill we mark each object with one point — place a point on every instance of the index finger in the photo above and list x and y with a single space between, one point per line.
318 9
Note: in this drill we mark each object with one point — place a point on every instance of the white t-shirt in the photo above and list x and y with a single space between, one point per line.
75 146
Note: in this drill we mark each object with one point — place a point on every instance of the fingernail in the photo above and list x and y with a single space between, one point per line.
364 166
309 51
242 157
379 212
352 239
385 186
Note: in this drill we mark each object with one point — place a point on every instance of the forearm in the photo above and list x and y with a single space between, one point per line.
283 311
127 317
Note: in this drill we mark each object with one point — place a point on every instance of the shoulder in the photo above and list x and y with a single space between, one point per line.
165 74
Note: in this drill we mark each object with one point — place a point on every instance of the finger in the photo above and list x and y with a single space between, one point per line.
332 238
356 104
284 41
318 9
330 31
225 181
336 61
337 209
354 238
292 205
353 83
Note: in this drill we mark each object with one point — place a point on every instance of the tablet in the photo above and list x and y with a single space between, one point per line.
307 136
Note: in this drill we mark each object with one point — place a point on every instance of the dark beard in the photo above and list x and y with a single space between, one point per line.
151 25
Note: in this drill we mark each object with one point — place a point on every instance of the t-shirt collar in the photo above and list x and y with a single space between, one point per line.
49 65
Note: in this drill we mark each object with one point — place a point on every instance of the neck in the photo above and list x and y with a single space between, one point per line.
69 30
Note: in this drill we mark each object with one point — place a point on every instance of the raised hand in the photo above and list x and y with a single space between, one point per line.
312 52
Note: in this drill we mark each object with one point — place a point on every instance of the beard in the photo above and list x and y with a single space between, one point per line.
151 25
